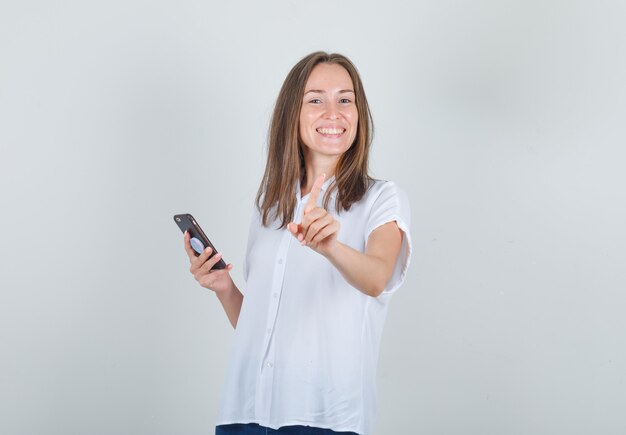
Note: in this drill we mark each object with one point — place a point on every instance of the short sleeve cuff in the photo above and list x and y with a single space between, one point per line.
392 205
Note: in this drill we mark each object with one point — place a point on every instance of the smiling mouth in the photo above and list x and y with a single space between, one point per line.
331 131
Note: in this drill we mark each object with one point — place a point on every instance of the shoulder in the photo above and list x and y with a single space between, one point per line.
386 201
385 190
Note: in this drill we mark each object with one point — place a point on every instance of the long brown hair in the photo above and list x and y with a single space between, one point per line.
285 160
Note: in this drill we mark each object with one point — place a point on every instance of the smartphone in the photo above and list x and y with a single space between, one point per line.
199 241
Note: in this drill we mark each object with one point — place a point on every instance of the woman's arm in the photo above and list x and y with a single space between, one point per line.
368 271
217 280
231 302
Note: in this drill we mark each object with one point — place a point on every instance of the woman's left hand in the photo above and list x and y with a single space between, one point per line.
318 229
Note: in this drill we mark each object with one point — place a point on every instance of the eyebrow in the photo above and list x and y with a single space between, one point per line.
319 91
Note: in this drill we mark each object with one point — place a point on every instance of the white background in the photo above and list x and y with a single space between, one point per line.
503 120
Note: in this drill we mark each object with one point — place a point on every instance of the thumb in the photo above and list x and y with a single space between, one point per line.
293 228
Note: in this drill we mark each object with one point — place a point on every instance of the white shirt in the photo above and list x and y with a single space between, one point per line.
306 345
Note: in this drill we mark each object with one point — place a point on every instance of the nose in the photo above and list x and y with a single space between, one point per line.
332 111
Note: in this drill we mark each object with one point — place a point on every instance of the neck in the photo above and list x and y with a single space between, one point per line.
314 169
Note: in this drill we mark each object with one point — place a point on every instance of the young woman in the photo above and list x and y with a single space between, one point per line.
327 247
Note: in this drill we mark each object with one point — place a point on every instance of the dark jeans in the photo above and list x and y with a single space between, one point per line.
255 429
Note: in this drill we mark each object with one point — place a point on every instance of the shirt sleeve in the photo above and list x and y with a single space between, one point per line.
392 204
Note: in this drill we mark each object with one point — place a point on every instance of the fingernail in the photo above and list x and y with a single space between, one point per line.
219 254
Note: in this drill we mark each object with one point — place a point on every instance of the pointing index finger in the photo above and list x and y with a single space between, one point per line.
315 193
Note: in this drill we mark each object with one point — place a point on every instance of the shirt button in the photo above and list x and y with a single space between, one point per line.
270 365
275 295
280 261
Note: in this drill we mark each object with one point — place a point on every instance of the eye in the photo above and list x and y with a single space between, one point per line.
345 101
315 101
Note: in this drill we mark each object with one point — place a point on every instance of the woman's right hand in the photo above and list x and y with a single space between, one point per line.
217 280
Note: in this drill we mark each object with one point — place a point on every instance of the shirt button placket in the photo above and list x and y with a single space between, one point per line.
264 394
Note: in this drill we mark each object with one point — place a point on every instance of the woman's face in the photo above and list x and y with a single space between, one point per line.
329 117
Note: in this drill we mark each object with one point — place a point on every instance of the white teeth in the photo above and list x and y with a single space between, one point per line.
330 130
